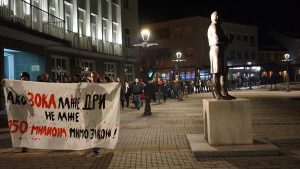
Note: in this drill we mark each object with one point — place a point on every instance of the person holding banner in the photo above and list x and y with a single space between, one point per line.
62 116
107 79
26 77
94 78
122 93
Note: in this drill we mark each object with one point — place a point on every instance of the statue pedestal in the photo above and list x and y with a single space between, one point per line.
228 131
227 122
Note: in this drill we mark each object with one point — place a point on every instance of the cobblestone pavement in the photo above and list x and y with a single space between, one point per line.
159 141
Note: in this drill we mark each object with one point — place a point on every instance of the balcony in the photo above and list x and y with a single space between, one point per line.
26 15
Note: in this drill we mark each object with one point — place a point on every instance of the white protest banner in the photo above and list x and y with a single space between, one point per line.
63 116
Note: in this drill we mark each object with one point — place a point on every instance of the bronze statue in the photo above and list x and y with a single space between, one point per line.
218 68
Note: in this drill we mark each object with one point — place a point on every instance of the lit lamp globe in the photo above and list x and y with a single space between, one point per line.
286 56
145 35
250 81
178 55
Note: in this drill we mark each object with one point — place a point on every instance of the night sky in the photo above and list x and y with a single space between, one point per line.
279 14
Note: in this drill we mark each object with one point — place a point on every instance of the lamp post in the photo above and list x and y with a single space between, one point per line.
287 60
249 63
145 33
177 60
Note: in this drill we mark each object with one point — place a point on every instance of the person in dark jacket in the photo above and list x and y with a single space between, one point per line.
136 91
122 92
127 92
164 90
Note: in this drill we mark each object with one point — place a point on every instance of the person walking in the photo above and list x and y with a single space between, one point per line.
136 91
127 92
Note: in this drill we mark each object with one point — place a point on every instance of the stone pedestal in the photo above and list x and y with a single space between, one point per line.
228 131
227 122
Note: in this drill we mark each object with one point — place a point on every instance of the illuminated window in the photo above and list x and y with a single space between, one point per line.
81 16
26 7
4 3
93 26
115 32
68 20
104 30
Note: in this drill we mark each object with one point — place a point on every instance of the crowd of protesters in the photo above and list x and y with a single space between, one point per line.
158 89
135 91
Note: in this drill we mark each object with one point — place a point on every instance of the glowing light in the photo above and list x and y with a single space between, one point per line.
145 34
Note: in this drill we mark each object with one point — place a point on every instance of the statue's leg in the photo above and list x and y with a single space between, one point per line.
224 87
217 88
213 84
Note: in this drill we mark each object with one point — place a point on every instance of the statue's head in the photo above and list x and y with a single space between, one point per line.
214 17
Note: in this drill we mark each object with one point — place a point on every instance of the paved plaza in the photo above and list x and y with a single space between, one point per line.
159 141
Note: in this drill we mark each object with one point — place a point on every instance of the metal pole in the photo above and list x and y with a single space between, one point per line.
158 85
147 111
178 72
250 87
288 76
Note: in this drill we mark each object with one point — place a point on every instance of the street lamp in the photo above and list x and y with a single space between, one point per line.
249 63
177 60
287 60
145 33
145 36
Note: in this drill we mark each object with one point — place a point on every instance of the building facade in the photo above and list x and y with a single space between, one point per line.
271 54
64 37
189 36
291 41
